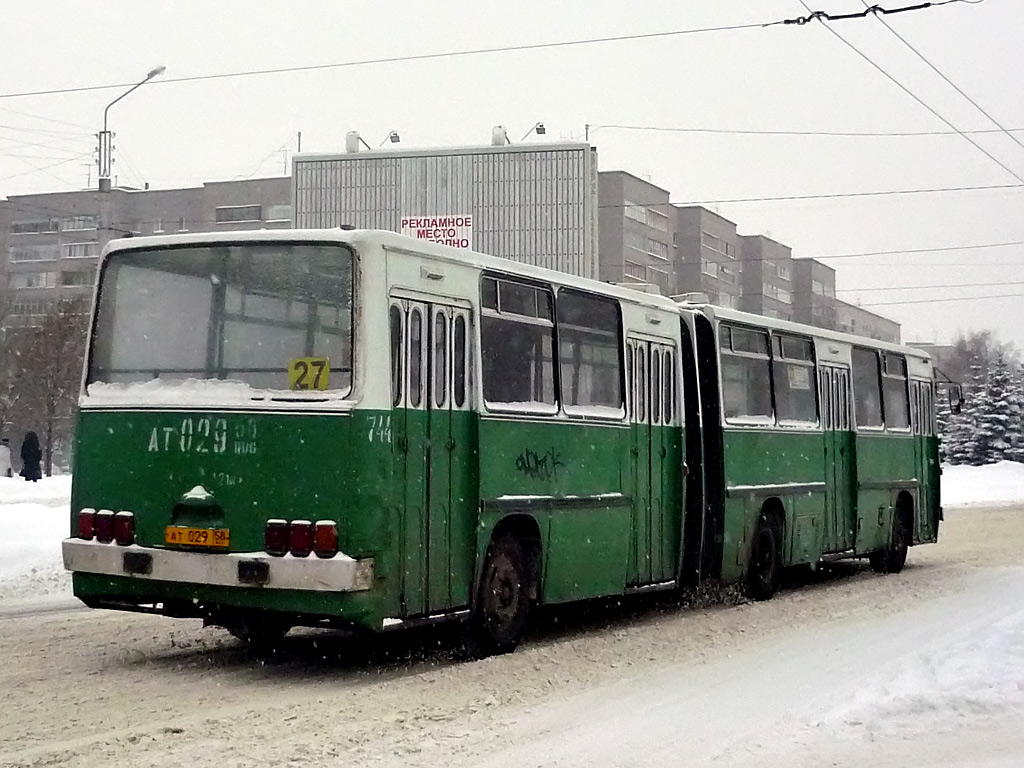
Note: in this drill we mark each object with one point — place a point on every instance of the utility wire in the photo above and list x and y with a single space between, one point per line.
463 53
949 82
919 100
838 134
929 287
875 10
938 301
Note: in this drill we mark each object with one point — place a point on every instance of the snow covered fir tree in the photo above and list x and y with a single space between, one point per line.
990 427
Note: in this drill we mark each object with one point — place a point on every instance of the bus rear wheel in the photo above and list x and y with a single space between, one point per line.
765 566
503 602
893 557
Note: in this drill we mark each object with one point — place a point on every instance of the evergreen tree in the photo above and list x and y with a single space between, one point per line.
1016 427
961 442
993 414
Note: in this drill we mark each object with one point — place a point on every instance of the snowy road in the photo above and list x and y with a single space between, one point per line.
923 669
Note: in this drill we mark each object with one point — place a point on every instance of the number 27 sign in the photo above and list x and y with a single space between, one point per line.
309 373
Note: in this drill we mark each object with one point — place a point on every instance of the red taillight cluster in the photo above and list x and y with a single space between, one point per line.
106 527
301 537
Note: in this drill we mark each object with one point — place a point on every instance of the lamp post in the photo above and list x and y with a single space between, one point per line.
105 135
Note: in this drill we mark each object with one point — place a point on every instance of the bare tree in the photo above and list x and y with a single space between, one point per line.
48 362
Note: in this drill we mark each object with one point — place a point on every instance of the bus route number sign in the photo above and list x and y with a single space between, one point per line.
309 373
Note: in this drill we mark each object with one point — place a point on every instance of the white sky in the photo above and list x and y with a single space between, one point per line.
781 78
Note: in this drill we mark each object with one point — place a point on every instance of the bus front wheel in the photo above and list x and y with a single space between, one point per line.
503 602
765 566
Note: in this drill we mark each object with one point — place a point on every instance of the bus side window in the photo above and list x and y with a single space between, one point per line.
867 398
459 362
397 350
415 357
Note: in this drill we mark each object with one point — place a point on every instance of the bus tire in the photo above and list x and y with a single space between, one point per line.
503 601
893 556
261 632
765 566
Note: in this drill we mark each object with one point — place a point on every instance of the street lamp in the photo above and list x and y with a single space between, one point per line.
105 135
538 128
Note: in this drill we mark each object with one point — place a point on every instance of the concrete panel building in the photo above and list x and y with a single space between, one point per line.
635 226
50 242
534 203
814 293
857 320
767 277
706 249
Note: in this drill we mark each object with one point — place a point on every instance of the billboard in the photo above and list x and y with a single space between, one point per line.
456 231
534 203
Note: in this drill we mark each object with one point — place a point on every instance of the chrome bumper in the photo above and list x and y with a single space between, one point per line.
340 573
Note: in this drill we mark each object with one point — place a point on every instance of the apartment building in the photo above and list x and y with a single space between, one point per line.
634 232
706 252
766 277
50 243
814 293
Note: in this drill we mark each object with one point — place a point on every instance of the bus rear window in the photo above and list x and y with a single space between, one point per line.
242 312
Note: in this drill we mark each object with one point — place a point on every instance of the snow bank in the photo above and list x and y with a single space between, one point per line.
994 484
33 518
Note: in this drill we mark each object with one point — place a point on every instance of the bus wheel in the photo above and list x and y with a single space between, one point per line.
261 632
503 603
765 566
893 557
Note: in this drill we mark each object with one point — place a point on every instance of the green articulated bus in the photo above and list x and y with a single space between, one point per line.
357 429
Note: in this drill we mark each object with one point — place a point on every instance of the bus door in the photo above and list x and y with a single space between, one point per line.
652 554
925 469
840 512
433 453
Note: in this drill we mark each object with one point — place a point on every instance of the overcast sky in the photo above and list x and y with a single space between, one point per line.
778 78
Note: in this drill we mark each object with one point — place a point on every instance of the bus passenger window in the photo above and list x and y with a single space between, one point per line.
793 371
590 352
746 378
459 362
517 344
894 389
867 399
415 357
397 349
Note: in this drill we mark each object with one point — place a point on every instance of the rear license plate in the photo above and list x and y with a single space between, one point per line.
197 537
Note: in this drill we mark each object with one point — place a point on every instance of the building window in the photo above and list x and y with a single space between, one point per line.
635 240
233 213
78 277
774 292
726 274
34 226
32 280
709 268
821 289
659 277
633 270
657 249
80 250
717 244
646 216
158 226
34 253
279 213
31 306
181 224
70 223
782 270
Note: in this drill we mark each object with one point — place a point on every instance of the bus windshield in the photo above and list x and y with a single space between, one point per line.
249 313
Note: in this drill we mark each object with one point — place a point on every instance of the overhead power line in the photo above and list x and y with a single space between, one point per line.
450 54
948 298
755 132
918 99
930 287
949 82
875 10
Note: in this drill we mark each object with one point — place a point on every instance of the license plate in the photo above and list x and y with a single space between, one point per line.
197 537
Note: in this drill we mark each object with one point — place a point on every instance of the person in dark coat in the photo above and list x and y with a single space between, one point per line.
31 456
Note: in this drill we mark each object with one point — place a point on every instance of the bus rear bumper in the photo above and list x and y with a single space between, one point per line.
340 573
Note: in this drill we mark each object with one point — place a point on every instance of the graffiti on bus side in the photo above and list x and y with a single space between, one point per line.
380 428
205 435
539 466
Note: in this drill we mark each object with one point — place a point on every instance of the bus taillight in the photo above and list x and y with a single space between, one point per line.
276 537
325 538
124 528
105 526
86 524
300 538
